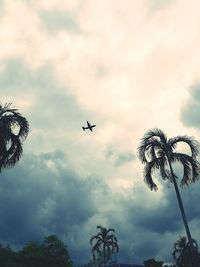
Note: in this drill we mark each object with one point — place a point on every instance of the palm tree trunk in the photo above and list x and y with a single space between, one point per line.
194 258
104 256
180 205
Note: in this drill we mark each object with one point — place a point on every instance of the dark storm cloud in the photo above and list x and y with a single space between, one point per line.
55 21
190 199
148 218
138 238
190 111
147 225
42 195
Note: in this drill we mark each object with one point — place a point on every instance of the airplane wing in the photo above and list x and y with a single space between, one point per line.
88 124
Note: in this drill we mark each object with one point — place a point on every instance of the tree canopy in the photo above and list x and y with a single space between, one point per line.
51 252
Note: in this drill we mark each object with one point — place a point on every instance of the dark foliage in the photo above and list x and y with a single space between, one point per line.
14 129
50 253
182 253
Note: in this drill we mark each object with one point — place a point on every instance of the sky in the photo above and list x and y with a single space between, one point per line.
126 66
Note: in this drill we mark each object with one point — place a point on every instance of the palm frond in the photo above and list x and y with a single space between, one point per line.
190 141
148 148
115 247
109 237
6 108
163 171
93 238
110 230
95 249
155 133
142 151
10 156
148 170
191 168
10 118
100 227
16 120
195 170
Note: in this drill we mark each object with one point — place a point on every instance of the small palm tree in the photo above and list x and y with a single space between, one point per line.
14 129
181 253
159 153
106 242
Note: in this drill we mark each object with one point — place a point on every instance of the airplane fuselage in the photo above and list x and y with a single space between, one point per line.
89 127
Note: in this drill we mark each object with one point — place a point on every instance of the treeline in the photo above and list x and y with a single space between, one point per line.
51 252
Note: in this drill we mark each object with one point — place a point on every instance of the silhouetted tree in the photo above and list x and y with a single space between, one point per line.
156 152
8 258
14 129
56 253
50 253
105 243
31 255
181 253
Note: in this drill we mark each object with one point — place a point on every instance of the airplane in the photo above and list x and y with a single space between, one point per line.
89 126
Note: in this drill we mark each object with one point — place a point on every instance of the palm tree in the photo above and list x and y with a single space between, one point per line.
159 153
106 242
14 129
181 253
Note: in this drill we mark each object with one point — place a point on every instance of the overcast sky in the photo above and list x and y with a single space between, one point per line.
126 66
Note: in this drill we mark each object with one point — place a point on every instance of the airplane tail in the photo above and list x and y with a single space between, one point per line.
83 128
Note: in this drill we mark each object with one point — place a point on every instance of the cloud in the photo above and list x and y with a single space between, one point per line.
43 195
119 158
37 95
190 110
55 21
156 5
70 5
